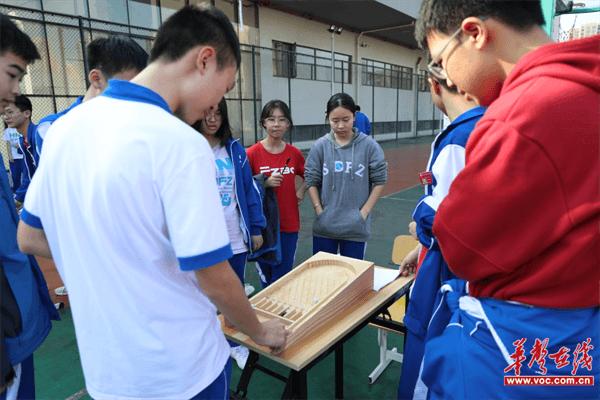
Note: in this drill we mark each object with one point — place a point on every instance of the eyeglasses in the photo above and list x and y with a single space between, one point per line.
213 115
434 67
273 121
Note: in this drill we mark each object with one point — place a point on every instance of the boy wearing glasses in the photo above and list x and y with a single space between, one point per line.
447 159
520 222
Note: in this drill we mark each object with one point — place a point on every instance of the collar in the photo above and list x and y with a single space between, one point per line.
125 90
474 112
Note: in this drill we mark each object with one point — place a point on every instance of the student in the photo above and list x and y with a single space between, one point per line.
361 121
345 175
240 198
17 115
520 222
136 238
25 303
15 158
113 57
283 167
447 159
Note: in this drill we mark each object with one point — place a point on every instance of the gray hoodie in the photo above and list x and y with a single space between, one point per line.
344 176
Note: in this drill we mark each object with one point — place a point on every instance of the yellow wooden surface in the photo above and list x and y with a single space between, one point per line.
301 353
402 245
314 292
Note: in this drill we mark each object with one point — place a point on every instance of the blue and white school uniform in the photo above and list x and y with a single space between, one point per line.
240 199
446 160
129 218
472 342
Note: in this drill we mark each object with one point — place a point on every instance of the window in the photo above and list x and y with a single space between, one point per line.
302 62
117 12
170 7
284 59
381 74
144 13
423 83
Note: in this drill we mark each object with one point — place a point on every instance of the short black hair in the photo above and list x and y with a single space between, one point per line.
13 40
23 103
224 131
193 26
341 100
115 54
272 105
445 16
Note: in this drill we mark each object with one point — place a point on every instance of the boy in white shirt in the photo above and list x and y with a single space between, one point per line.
143 252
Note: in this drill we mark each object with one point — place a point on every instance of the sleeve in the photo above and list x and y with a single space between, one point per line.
299 163
253 199
251 154
377 165
313 173
448 164
32 206
28 170
497 212
40 134
193 213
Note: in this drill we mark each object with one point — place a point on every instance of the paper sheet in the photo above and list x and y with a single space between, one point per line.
383 276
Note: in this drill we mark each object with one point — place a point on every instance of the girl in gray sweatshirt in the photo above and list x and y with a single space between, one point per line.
345 174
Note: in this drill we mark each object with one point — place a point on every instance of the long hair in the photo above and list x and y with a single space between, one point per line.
224 131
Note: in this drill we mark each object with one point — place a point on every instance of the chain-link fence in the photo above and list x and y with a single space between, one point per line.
396 100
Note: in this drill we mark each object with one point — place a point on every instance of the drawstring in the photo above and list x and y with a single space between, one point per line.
333 159
352 165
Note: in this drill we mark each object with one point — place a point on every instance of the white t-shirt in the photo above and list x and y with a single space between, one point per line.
226 184
12 136
127 198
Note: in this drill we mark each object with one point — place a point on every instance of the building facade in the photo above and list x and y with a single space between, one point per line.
287 52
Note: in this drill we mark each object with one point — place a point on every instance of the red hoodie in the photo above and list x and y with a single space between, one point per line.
522 220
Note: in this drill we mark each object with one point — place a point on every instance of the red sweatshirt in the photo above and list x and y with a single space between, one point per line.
522 220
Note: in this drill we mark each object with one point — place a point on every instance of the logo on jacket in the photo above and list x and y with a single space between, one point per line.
344 167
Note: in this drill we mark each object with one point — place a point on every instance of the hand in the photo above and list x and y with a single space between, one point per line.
300 195
274 180
257 242
412 229
364 214
319 210
273 334
409 263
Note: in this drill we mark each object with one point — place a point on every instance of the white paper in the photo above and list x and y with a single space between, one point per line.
383 276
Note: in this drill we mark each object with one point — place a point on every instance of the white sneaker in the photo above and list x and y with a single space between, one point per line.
249 289
240 355
61 291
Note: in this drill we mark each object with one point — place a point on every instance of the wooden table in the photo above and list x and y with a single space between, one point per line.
307 352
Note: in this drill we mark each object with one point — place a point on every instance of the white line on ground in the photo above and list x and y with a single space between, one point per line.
78 395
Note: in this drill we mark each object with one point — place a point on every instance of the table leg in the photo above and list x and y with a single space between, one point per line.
242 387
295 387
339 371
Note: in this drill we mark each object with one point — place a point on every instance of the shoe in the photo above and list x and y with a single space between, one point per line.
240 355
61 291
249 289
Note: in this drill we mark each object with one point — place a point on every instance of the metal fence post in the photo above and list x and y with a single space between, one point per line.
84 53
373 101
397 103
254 92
